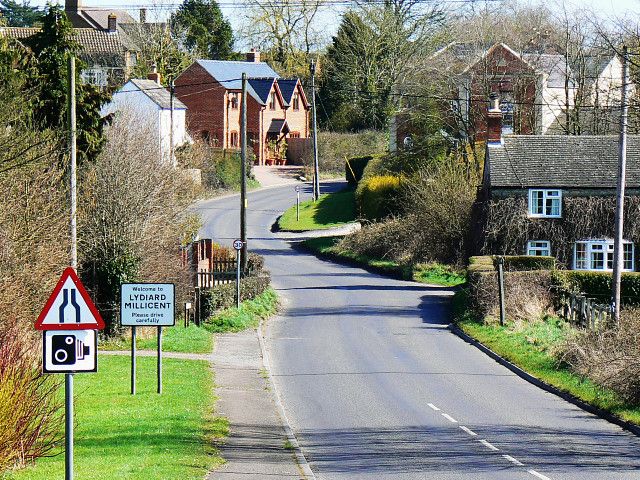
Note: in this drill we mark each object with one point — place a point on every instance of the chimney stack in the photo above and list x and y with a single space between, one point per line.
154 75
253 56
494 121
72 5
112 23
143 15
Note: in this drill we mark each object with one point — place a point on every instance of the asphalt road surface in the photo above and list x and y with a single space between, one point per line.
376 387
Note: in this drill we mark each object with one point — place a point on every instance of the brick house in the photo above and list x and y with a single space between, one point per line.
277 109
555 195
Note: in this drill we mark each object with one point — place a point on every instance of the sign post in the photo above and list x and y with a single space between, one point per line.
237 245
147 305
69 322
297 203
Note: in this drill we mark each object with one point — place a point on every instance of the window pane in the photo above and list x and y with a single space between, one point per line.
609 260
628 256
536 202
597 260
581 255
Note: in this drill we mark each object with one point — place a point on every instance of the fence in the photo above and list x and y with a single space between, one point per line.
223 271
584 311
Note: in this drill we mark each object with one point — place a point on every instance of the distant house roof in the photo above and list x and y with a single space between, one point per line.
95 17
261 88
158 94
525 161
278 126
554 65
287 87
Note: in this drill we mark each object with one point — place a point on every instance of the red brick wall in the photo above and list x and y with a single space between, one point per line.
298 120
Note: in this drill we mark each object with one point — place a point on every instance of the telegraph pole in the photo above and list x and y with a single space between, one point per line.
243 169
618 250
172 94
316 173
68 383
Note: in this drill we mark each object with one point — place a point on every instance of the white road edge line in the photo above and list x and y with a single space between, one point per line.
449 417
433 407
539 475
470 432
513 460
489 446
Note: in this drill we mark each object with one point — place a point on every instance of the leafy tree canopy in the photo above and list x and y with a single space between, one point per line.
20 14
202 28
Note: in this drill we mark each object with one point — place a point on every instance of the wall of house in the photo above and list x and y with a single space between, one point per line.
179 132
205 100
298 120
553 108
267 116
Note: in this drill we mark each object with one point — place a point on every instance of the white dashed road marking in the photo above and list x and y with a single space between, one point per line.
513 460
539 475
433 407
489 446
470 432
450 418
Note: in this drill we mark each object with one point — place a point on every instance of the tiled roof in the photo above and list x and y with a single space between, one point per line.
287 87
525 161
261 88
554 65
158 94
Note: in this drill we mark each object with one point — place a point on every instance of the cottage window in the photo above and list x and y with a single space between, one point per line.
598 255
508 110
294 135
235 140
272 101
545 203
296 101
233 100
539 248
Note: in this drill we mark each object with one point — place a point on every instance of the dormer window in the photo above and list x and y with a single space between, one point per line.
272 101
545 203
296 101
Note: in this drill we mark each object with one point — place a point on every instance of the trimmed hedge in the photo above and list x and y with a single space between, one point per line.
598 284
224 296
354 168
522 263
377 196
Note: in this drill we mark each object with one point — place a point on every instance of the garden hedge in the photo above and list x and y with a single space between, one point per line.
521 263
598 284
377 196
354 168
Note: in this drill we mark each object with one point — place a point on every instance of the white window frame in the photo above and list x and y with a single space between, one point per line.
605 248
547 195
542 246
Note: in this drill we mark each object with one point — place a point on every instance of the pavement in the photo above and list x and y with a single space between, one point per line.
374 385
270 176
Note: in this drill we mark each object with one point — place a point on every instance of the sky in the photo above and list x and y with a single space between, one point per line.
233 9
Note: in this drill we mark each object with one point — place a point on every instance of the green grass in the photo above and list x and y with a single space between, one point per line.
531 348
247 316
431 273
174 339
331 210
147 436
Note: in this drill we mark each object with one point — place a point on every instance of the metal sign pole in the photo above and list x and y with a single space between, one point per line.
133 360
238 278
68 426
297 204
159 359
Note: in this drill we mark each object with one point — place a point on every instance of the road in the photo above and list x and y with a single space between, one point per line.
375 386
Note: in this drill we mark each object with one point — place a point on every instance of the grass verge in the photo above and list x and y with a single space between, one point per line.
531 347
431 273
191 339
331 210
125 437
247 316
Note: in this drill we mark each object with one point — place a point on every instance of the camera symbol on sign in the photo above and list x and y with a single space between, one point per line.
67 350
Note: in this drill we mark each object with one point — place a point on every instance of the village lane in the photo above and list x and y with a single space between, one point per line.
375 385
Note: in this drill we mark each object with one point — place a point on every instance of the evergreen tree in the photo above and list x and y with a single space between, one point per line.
201 27
20 14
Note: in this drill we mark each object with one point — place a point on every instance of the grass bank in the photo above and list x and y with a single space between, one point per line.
531 346
331 210
430 273
247 316
191 339
123 437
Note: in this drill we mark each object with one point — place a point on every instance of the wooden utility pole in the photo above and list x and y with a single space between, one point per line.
316 172
243 170
618 250
68 381
172 94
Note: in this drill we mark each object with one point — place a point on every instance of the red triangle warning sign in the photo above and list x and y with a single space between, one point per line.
69 307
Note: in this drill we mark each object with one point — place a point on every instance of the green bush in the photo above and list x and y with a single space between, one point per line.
334 147
519 263
224 296
377 197
598 285
354 168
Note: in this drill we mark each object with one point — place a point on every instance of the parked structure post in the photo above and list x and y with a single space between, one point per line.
243 185
501 288
316 172
618 250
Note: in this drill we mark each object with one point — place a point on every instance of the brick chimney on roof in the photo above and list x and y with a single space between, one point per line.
494 121
112 23
253 55
154 74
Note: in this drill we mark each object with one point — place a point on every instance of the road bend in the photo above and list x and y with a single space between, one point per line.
375 386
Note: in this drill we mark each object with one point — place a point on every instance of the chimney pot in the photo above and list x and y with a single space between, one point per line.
154 74
494 121
253 55
112 23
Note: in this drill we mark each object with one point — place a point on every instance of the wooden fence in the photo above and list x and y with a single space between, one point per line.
584 311
224 271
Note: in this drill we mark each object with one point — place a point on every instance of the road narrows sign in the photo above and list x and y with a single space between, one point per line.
69 307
